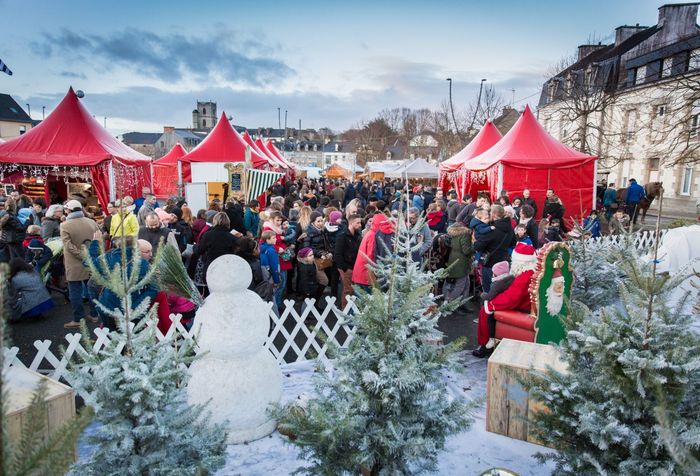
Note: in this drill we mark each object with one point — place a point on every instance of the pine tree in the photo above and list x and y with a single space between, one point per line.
602 413
384 408
137 386
34 454
596 273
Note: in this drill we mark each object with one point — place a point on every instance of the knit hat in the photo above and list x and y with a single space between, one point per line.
73 205
500 268
304 252
35 244
210 215
314 216
335 217
177 212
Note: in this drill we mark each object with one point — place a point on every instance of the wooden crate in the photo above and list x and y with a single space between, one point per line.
21 384
508 404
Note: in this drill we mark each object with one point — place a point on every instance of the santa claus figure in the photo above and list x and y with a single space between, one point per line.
555 294
515 297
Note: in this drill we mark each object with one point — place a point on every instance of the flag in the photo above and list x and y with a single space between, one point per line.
257 181
4 68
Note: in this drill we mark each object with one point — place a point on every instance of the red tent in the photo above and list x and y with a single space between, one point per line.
165 173
224 144
484 140
272 150
528 157
263 153
71 143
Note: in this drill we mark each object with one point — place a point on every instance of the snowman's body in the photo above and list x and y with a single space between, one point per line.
237 377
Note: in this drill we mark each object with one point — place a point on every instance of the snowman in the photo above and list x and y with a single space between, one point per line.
236 376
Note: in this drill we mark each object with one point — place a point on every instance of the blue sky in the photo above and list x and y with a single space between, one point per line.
144 64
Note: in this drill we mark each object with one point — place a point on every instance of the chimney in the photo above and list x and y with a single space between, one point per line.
167 129
585 50
681 18
625 31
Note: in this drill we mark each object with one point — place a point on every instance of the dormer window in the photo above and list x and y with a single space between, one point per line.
204 110
666 67
551 90
694 60
640 74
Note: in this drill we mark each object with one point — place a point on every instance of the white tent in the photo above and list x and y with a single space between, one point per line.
419 168
383 166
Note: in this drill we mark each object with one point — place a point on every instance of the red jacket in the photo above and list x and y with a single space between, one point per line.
367 251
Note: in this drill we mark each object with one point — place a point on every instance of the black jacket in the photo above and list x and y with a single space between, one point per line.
555 209
533 232
316 240
531 202
154 237
216 241
497 242
235 215
346 248
307 283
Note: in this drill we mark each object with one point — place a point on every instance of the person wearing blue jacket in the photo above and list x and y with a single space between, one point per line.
251 219
635 193
270 261
113 258
609 198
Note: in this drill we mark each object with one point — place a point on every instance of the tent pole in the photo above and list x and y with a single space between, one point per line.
112 182
595 179
180 185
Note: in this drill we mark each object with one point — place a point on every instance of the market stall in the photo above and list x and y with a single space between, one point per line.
528 157
165 173
417 169
449 175
70 147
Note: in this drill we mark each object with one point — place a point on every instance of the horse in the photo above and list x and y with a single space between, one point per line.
652 190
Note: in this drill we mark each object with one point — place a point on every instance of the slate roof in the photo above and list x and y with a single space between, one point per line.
11 111
146 138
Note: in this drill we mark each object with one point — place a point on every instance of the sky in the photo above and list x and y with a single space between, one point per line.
144 64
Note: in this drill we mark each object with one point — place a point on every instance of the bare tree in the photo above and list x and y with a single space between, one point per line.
487 107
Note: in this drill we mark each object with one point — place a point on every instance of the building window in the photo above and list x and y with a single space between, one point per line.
204 111
661 110
640 74
694 60
631 124
551 89
695 120
654 165
687 180
22 129
162 143
667 67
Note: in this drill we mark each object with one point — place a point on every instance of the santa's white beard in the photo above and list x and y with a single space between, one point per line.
555 301
519 267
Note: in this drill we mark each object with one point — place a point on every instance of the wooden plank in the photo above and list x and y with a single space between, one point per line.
509 406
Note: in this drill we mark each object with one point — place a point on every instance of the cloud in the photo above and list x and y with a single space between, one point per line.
170 57
72 74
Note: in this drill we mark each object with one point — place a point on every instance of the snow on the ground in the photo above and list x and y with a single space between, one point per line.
468 453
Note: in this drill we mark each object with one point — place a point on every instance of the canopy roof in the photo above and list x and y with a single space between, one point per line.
484 140
337 170
224 144
272 151
68 136
419 168
384 165
172 157
527 145
271 160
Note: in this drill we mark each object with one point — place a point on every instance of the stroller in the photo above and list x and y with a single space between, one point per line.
54 268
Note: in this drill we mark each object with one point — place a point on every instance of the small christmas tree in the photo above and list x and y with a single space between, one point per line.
596 273
137 386
385 409
602 413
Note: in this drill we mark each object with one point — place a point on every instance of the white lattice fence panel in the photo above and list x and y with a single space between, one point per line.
305 341
641 240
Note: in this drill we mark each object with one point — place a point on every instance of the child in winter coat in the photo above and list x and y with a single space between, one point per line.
435 218
269 258
33 233
251 219
592 224
38 254
521 234
553 232
481 226
307 283
500 282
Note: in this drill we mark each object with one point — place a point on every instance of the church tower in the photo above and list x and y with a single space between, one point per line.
204 117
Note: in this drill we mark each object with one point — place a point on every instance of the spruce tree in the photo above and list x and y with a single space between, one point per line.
385 408
137 386
602 414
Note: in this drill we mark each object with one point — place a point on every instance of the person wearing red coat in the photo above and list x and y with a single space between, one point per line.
375 244
516 297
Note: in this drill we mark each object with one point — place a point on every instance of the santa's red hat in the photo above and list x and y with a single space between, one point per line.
557 277
523 253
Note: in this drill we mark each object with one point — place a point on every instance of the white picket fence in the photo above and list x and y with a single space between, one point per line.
642 240
291 338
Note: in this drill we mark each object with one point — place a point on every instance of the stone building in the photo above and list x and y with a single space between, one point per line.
14 121
144 142
188 138
204 117
635 103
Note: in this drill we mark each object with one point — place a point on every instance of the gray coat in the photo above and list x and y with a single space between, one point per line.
50 228
30 290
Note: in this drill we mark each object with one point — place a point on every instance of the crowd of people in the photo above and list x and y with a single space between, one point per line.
309 239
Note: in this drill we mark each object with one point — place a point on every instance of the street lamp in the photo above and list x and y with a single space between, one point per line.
29 110
449 80
43 112
478 105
